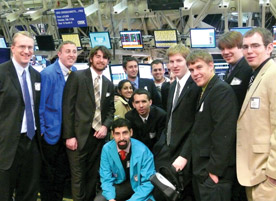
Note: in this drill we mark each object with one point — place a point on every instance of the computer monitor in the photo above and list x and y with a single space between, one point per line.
100 38
242 30
145 71
3 43
203 37
165 38
131 39
74 37
45 42
117 73
5 55
220 69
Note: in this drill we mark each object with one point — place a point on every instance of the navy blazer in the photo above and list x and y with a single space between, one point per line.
50 109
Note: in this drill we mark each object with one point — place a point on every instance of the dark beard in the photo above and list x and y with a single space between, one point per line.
122 147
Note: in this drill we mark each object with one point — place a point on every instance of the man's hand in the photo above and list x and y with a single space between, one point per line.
179 163
100 134
72 143
272 180
214 178
112 200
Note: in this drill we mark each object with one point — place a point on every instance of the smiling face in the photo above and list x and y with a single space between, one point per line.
131 70
178 65
122 136
22 49
158 72
231 55
99 61
255 51
68 55
126 90
201 72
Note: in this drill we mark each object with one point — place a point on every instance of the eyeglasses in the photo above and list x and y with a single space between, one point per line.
23 47
253 46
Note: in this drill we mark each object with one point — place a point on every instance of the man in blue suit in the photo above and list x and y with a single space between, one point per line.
55 161
126 166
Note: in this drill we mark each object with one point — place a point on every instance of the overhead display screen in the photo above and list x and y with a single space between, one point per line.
203 38
74 37
100 38
131 39
165 38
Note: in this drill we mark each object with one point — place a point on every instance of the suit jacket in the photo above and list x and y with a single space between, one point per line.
12 108
141 168
256 130
164 94
239 79
79 105
149 85
214 131
148 133
50 109
182 115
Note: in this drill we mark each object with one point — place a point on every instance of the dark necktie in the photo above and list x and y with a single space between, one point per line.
28 108
169 129
251 81
122 154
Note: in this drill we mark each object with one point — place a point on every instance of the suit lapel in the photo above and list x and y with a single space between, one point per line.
254 86
89 84
170 96
33 79
14 79
207 90
184 91
104 89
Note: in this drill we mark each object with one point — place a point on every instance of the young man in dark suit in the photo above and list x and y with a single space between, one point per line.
131 68
238 76
88 108
214 131
147 120
19 125
239 72
173 148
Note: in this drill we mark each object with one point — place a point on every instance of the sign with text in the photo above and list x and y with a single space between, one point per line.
71 17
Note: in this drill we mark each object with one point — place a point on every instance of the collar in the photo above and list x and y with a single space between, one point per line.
135 83
184 79
144 118
64 69
19 69
126 149
94 74
203 88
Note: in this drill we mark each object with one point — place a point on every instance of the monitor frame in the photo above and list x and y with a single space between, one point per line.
50 39
212 45
106 36
67 34
139 46
164 30
4 42
238 29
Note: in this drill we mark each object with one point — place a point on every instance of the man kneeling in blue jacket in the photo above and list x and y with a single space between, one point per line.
126 166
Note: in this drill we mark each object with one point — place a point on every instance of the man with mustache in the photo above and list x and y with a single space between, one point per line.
126 166
88 108
147 120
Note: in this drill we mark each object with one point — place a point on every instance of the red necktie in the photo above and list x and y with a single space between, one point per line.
122 154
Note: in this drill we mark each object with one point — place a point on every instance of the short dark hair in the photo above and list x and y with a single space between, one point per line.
230 39
140 92
263 32
156 61
121 84
128 59
94 51
120 122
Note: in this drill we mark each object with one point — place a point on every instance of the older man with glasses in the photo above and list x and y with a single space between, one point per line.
256 129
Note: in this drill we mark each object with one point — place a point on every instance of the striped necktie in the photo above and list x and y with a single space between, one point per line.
96 124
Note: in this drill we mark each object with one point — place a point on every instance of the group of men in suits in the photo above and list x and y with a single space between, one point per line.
214 131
